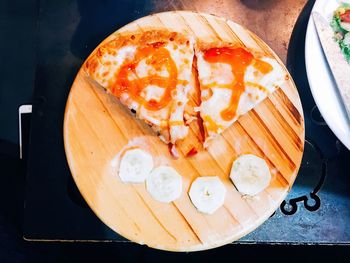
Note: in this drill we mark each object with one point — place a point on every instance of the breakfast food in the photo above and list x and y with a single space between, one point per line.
135 166
207 194
341 27
233 80
250 174
164 184
149 73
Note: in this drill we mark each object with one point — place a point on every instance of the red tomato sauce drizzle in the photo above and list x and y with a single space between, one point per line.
158 57
239 59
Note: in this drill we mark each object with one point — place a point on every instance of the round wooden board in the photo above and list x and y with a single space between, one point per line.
97 127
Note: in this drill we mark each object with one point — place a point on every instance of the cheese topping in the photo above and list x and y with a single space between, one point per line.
233 81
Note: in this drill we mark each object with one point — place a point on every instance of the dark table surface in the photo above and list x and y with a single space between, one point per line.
39 36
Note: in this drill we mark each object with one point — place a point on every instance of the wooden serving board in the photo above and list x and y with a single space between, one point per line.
97 128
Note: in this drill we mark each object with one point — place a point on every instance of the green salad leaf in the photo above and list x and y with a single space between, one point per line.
346 50
336 26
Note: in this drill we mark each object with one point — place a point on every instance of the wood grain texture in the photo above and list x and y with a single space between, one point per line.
97 128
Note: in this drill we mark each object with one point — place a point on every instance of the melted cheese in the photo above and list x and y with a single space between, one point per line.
144 81
152 92
219 73
213 107
144 69
261 77
110 63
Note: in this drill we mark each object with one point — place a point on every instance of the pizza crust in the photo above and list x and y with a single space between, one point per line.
202 45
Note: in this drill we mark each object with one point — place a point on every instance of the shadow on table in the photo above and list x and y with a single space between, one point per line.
260 4
98 19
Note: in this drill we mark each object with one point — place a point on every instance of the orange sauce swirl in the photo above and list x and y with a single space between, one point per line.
239 59
157 56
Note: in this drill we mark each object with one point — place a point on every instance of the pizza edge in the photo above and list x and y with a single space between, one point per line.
142 39
200 47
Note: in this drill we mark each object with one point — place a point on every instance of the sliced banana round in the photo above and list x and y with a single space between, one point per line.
164 184
250 174
207 194
135 166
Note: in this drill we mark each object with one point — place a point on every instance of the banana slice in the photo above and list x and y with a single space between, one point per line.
207 194
135 166
164 184
250 174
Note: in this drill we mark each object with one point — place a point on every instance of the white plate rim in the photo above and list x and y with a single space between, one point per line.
336 118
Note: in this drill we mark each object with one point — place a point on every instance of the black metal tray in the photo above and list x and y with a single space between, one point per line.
317 210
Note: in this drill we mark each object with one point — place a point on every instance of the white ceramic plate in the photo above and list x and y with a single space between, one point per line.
322 85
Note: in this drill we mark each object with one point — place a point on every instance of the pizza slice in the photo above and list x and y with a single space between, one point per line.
233 80
149 73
